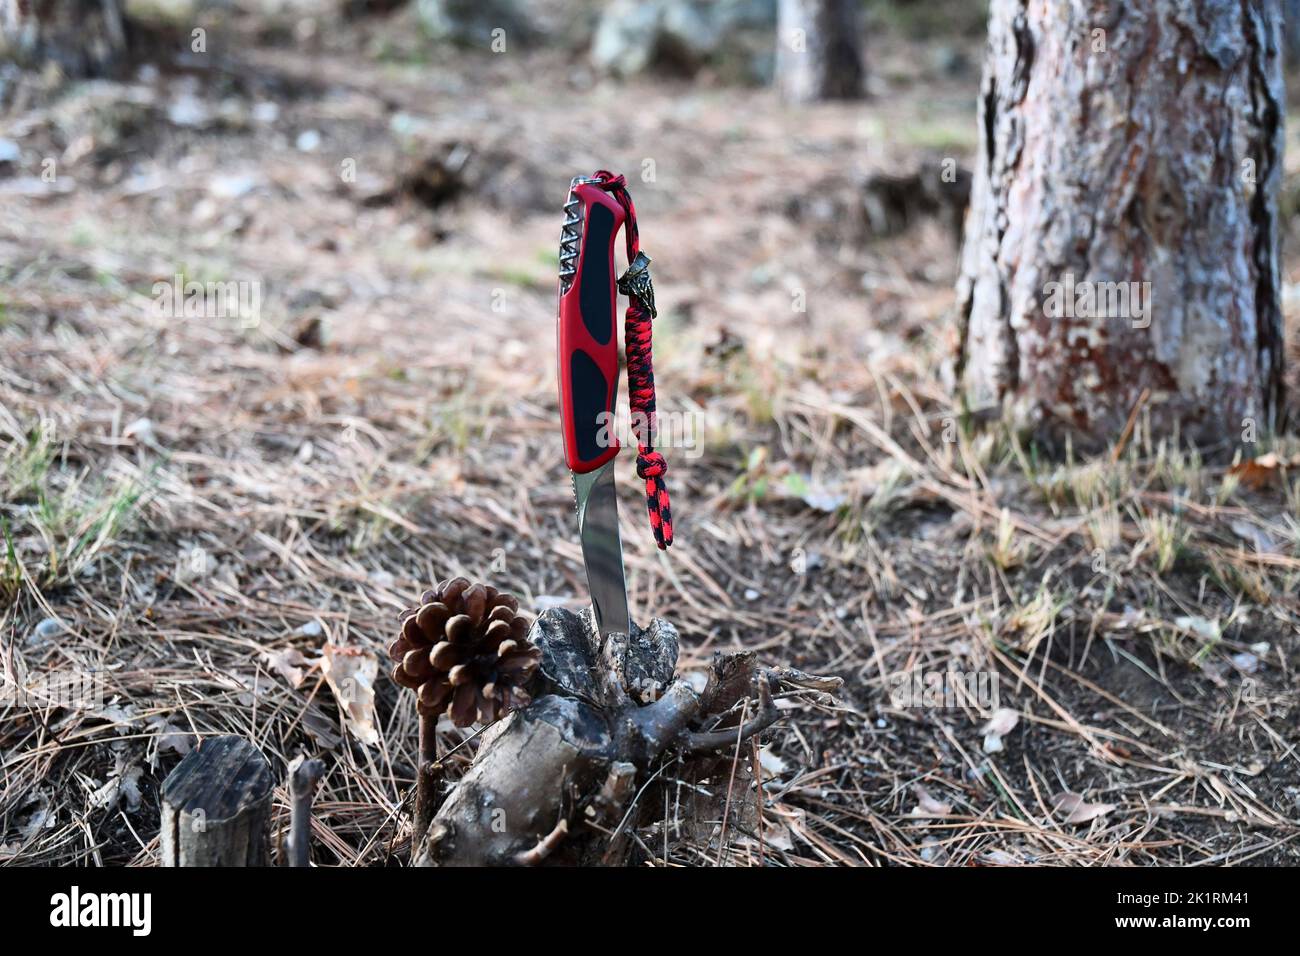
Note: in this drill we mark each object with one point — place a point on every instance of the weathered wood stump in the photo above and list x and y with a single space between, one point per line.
216 806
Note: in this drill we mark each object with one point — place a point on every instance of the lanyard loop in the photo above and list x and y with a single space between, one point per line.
635 284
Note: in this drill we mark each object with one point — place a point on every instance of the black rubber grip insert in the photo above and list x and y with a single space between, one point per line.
590 392
594 293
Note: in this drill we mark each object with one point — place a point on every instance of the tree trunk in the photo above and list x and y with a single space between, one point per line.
819 50
1291 25
83 37
1122 242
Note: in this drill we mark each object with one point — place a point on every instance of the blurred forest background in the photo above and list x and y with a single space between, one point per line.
222 514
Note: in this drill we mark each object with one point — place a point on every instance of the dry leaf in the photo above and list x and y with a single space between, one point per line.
1115 751
1202 627
771 764
122 787
1257 473
322 730
41 817
781 825
1079 810
927 805
1253 534
351 673
777 836
1000 858
933 851
140 430
171 737
289 664
1004 720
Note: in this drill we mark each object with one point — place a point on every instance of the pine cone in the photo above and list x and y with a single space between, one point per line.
465 651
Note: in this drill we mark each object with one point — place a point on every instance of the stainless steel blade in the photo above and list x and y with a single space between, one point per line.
602 548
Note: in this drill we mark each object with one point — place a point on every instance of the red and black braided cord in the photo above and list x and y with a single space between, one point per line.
650 464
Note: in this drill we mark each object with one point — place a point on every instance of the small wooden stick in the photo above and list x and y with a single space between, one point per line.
731 781
1128 426
791 675
427 777
766 716
758 778
304 775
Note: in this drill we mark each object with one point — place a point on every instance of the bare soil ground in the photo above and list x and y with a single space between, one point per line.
200 509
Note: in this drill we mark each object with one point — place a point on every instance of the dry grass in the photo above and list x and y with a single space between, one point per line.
192 509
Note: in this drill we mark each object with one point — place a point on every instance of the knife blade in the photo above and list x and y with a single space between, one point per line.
602 548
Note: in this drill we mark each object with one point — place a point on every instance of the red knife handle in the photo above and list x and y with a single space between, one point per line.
588 338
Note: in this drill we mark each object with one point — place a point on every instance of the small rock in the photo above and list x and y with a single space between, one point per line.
140 430
625 38
232 186
308 141
825 501
309 297
406 124
751 594
683 35
188 110
691 30
1245 662
475 22
140 183
46 630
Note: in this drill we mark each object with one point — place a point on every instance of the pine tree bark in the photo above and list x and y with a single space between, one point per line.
819 50
82 37
1291 29
1123 232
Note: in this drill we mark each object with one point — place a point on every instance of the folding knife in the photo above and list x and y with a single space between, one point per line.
588 375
